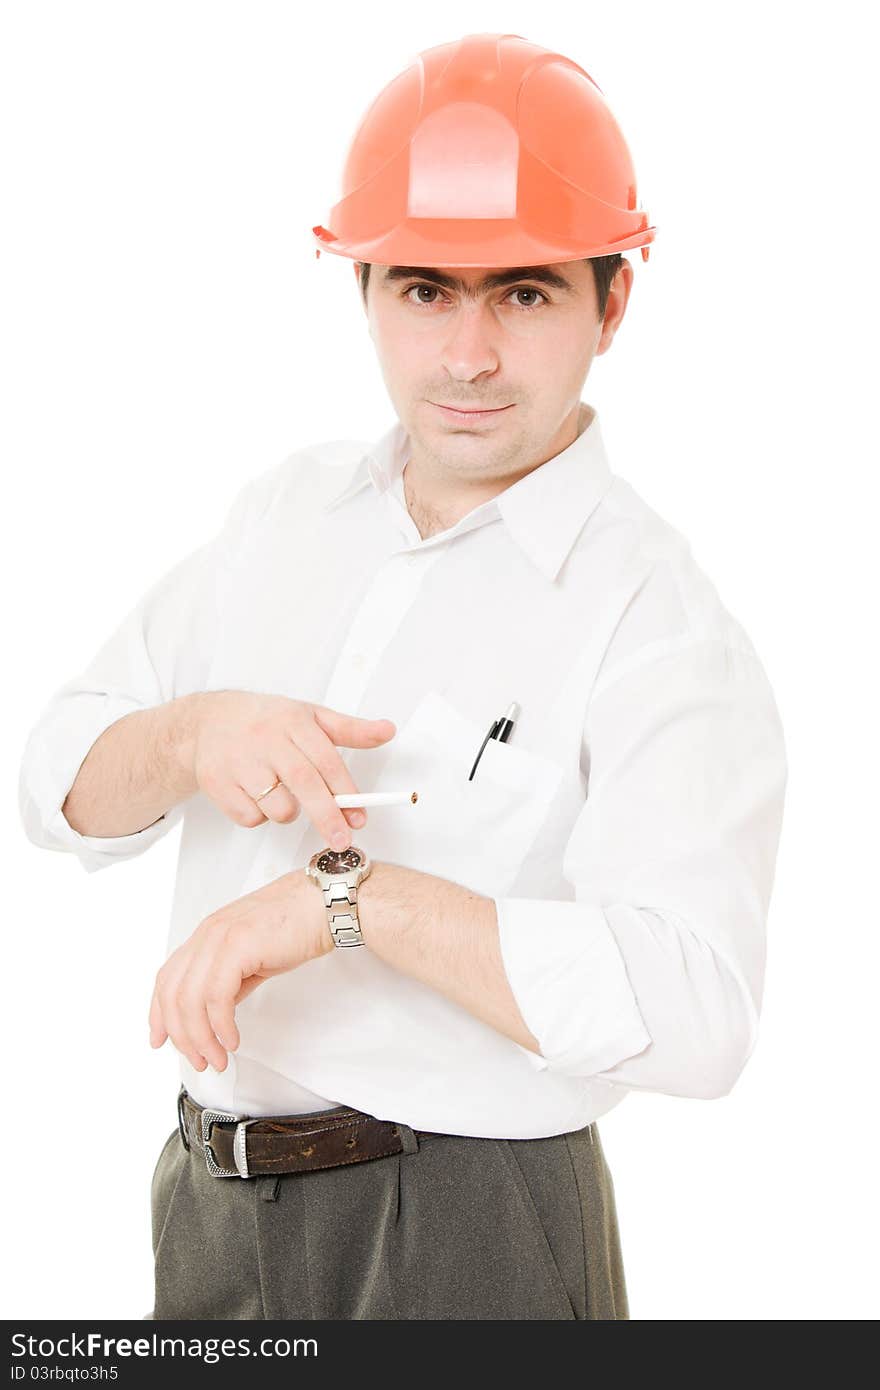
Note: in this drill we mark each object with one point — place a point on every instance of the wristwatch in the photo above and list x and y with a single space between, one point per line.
337 872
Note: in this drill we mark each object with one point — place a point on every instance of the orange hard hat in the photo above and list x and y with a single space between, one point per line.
487 151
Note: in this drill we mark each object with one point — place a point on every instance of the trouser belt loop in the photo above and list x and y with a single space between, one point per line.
410 1142
181 1118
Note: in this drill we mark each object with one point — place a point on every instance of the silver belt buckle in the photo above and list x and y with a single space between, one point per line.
210 1117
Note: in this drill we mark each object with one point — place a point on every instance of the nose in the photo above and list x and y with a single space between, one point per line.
468 351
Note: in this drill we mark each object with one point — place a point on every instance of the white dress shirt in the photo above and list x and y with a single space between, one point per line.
627 832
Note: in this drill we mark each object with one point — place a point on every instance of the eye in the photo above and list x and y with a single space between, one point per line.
518 289
407 292
527 289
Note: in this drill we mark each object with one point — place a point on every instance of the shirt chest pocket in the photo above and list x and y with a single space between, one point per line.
476 832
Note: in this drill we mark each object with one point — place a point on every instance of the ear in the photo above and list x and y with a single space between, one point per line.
618 297
360 294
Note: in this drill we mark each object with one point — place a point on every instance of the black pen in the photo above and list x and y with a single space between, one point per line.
501 729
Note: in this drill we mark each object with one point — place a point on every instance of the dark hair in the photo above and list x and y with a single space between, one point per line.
604 270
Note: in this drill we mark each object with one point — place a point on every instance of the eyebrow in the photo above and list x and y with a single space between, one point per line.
542 273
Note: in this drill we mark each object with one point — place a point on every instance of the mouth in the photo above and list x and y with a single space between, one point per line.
473 416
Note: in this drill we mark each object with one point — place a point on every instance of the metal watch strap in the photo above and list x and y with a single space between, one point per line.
340 900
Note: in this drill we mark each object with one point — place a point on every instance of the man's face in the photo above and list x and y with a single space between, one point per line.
520 345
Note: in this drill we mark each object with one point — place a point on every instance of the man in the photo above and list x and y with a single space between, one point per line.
573 903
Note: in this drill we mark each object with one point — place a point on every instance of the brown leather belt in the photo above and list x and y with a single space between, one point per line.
240 1146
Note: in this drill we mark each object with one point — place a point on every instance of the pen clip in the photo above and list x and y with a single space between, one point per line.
496 725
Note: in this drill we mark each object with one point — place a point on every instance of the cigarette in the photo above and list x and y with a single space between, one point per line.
346 799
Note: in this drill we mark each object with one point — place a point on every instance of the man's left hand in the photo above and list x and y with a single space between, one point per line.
275 929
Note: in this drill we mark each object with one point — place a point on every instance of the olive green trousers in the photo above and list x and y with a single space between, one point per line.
460 1227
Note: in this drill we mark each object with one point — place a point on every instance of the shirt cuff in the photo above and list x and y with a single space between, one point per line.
570 982
96 851
49 770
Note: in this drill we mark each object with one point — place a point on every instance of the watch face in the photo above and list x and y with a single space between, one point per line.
339 861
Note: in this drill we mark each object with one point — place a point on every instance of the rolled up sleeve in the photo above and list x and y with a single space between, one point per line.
652 977
161 650
56 749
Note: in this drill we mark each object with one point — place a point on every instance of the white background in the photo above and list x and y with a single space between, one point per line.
168 332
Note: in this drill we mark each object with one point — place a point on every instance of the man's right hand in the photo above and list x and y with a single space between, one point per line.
243 741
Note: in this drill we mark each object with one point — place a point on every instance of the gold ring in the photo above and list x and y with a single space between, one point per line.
276 783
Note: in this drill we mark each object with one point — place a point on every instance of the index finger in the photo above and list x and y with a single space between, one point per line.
352 731
312 768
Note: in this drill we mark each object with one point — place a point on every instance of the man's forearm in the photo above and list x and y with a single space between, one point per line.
135 771
444 935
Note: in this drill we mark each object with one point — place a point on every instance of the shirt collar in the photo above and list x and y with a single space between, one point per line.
544 511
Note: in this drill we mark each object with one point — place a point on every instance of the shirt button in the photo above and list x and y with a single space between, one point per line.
358 659
412 560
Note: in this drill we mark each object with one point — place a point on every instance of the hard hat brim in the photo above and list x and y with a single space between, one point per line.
424 242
